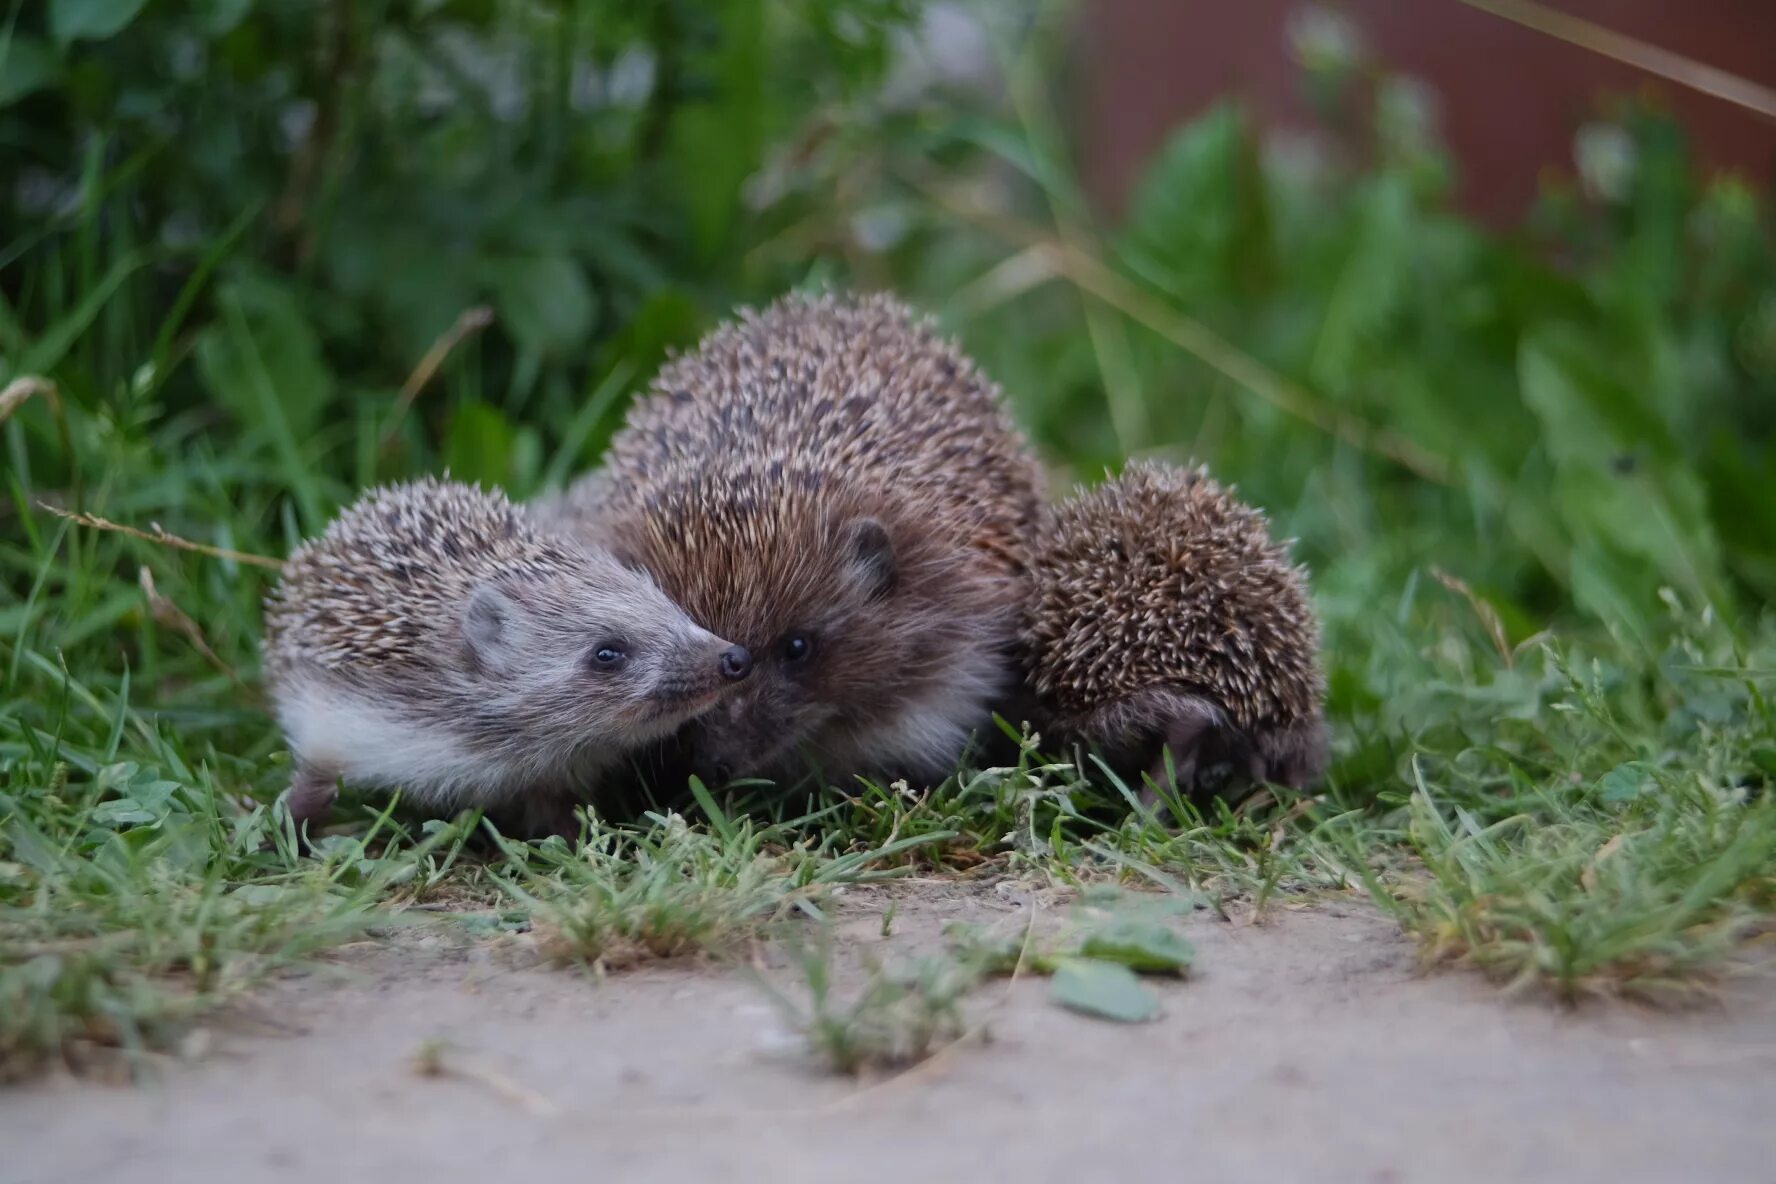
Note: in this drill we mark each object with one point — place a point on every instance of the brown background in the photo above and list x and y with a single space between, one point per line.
1509 97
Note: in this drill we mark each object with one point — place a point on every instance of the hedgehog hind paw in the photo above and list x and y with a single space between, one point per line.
1199 756
1296 756
550 815
1198 762
311 797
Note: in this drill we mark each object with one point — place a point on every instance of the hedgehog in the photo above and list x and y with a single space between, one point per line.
832 484
433 639
1168 630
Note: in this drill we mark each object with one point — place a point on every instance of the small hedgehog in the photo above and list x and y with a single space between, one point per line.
433 639
1163 616
833 485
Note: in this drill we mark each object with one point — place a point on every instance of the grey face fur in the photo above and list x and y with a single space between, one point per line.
595 657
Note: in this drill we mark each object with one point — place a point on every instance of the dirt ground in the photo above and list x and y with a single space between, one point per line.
1305 1048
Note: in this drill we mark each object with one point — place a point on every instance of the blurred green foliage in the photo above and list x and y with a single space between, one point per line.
233 229
1586 406
262 214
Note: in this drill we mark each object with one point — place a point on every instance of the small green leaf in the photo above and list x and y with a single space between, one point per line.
544 302
41 972
1623 783
217 17
1198 220
26 65
479 445
995 952
121 814
264 894
91 20
1108 990
266 345
1145 946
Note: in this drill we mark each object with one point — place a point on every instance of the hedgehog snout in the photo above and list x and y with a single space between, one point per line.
735 663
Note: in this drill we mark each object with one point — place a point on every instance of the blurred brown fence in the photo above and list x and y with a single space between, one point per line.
1510 97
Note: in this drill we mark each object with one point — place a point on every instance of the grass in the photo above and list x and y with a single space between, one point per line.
1584 815
624 897
901 1013
1593 820
1527 470
129 906
665 889
1610 833
1629 852
1651 902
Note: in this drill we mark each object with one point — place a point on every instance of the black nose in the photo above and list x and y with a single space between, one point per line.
722 773
736 663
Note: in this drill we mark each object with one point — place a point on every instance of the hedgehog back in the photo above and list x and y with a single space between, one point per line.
861 388
392 572
1161 577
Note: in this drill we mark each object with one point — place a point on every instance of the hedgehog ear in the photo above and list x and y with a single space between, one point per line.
870 553
489 621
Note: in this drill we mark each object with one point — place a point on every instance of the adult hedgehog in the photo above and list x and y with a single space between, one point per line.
1164 617
833 485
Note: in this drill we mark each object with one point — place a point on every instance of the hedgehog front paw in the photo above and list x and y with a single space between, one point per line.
1199 757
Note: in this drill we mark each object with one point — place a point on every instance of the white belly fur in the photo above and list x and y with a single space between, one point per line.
342 733
927 736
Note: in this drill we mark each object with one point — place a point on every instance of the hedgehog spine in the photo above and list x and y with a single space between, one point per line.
1162 616
433 639
832 484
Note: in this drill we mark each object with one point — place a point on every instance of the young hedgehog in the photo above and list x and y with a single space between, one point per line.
833 485
433 639
1163 616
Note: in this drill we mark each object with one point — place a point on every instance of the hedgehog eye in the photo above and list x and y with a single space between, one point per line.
609 656
797 648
